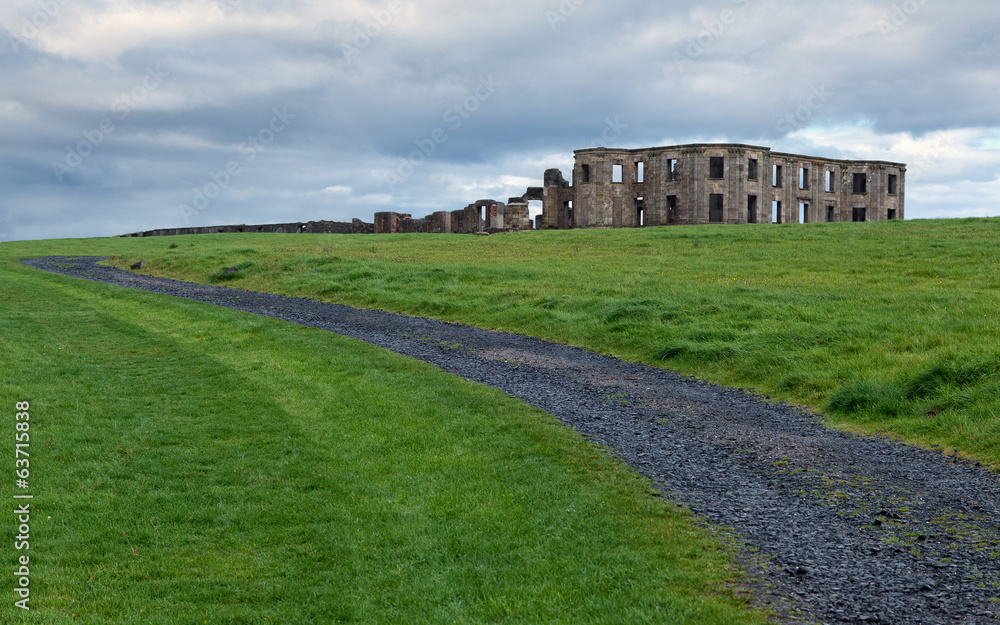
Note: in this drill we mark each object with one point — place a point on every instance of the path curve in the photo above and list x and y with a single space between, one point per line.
852 529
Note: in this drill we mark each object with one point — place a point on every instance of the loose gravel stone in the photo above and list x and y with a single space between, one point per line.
838 528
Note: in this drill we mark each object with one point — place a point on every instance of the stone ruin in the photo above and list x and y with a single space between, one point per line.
682 185
704 183
484 216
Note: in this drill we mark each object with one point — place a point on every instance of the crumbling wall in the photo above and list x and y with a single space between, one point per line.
405 225
481 216
392 223
557 199
458 221
439 223
311 227
516 215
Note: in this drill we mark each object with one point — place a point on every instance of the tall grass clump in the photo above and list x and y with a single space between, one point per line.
949 402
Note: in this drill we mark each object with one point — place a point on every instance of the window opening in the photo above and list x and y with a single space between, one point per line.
715 208
752 209
716 167
776 212
752 169
568 214
860 183
616 172
640 171
776 176
535 209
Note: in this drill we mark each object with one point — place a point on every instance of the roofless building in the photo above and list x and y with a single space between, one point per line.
701 183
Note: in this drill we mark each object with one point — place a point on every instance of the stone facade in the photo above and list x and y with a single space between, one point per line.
718 183
701 183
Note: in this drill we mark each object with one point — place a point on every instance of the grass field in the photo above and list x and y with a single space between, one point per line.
191 464
886 327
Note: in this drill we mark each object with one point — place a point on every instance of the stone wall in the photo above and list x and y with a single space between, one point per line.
481 216
516 215
311 227
439 223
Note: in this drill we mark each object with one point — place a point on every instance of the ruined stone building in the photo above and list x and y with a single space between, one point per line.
685 184
703 183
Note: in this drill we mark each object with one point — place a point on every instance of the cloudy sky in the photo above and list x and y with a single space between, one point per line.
125 115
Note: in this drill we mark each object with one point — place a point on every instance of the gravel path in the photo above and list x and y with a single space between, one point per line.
844 529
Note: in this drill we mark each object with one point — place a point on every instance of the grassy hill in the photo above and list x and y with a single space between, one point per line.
191 464
889 327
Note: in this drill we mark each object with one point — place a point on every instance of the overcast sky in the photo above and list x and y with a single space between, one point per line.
118 115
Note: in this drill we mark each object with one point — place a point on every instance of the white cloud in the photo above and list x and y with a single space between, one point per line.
376 198
942 155
955 199
103 34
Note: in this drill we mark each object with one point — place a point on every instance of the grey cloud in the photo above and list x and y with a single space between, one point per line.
676 72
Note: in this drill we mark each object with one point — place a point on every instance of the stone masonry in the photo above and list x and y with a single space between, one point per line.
719 183
481 216
686 184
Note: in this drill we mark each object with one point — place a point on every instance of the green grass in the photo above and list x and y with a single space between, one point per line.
192 464
839 317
